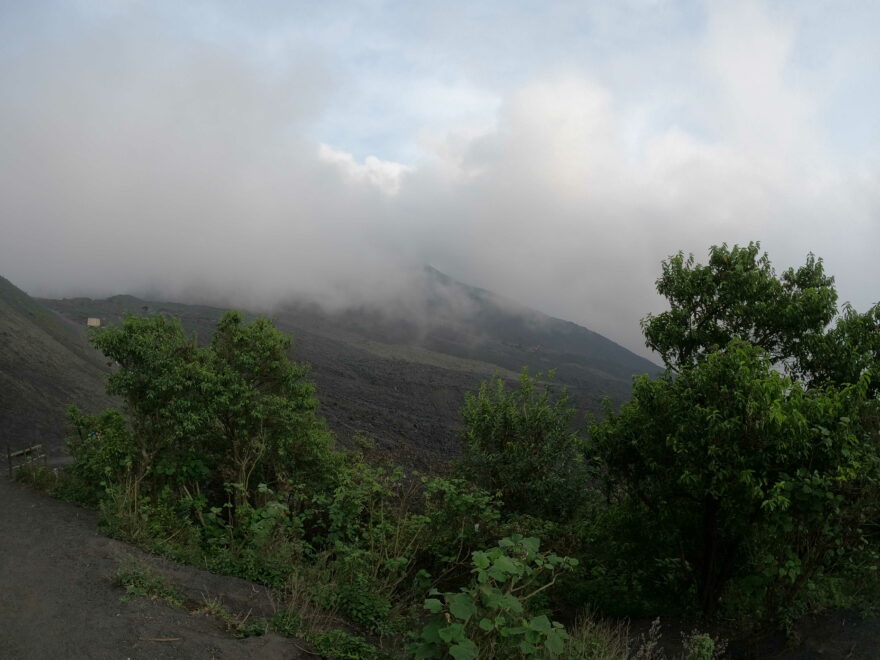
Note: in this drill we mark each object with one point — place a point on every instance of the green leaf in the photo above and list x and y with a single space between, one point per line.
464 650
433 605
452 633
540 623
555 642
431 632
504 567
461 606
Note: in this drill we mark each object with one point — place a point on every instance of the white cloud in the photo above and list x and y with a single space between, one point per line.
383 174
138 154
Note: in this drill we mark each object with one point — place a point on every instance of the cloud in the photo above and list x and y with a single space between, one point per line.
383 174
141 157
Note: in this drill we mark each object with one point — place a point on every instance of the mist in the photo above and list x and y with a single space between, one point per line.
150 151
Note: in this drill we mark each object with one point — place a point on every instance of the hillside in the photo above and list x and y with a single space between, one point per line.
46 363
398 375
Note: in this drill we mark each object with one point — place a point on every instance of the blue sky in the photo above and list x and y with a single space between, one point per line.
554 152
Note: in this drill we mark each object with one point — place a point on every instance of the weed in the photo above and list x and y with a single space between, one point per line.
702 646
340 645
140 580
592 638
237 625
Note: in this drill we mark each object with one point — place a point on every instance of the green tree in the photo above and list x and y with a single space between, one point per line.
737 294
521 444
264 411
847 352
237 416
165 383
750 484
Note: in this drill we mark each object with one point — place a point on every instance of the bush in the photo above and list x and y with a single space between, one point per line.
752 485
340 645
521 445
494 616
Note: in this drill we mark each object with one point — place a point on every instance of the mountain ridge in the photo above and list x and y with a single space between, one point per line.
46 363
395 376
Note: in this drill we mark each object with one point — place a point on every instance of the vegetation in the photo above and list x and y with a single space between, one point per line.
743 482
491 617
522 445
757 488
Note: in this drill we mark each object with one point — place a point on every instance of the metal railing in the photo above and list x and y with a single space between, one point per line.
20 458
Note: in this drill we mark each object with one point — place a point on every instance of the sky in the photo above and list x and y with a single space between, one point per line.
552 152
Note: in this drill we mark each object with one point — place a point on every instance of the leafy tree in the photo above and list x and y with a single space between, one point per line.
847 352
737 294
164 381
749 484
522 445
265 429
235 419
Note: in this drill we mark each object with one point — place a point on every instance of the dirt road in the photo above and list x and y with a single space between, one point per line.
58 600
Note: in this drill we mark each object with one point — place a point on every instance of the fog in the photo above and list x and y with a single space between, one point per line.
157 151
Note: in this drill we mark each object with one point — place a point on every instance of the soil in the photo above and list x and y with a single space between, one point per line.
58 598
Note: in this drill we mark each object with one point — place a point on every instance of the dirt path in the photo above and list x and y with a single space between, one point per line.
57 598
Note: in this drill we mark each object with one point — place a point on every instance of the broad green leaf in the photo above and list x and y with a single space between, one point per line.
464 650
462 607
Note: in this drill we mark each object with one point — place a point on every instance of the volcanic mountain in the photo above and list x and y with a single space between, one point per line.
392 377
46 363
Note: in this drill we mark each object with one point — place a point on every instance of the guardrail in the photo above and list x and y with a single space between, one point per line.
20 458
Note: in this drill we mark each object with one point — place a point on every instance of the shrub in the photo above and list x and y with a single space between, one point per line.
751 484
521 445
494 615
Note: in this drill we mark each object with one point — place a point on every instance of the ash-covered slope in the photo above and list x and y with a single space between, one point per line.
46 363
397 375
456 319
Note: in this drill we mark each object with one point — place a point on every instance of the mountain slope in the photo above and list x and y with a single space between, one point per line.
397 375
46 364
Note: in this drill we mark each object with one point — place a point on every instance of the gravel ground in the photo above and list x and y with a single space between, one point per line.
58 600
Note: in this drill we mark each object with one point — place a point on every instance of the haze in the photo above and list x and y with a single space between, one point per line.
554 153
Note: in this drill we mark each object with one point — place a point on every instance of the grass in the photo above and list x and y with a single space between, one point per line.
297 618
139 580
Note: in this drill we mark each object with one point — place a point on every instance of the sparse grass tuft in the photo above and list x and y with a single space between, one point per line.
593 638
139 580
237 625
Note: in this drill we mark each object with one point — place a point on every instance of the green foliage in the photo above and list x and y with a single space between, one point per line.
264 425
460 518
744 481
230 428
164 381
737 295
702 646
846 353
494 615
103 450
341 645
521 445
752 486
139 580
743 474
286 622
